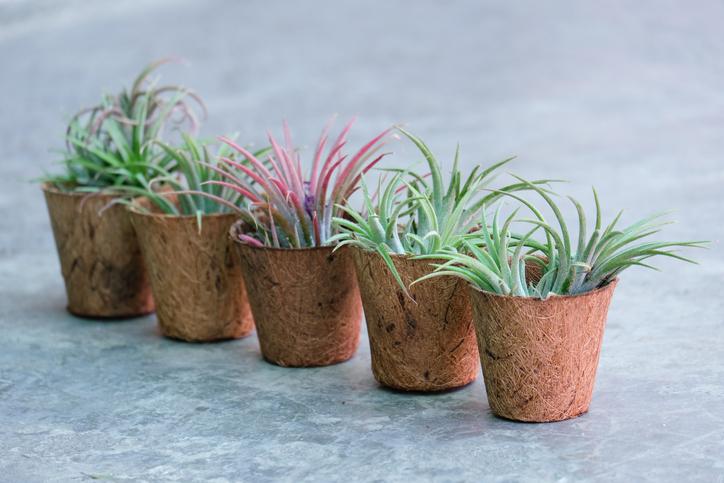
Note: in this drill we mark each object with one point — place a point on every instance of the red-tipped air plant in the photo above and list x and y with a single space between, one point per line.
289 209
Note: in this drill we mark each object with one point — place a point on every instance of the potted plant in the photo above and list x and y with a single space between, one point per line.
421 337
540 306
303 295
195 275
109 146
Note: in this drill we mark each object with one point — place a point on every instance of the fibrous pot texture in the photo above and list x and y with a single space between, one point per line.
305 303
540 357
195 275
421 342
99 255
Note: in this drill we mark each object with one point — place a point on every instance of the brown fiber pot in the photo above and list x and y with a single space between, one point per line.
423 343
305 303
99 255
539 357
196 277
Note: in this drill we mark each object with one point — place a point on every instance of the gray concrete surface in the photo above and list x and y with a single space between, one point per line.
628 96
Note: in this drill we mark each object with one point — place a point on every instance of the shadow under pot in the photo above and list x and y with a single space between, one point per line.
100 258
421 342
195 276
305 302
540 357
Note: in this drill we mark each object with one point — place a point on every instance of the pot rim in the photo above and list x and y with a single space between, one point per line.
401 256
609 286
132 209
49 187
235 239
281 249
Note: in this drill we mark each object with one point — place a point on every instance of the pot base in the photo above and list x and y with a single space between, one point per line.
107 318
302 363
197 340
540 420
425 389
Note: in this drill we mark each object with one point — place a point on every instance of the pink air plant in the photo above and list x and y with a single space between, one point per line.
290 210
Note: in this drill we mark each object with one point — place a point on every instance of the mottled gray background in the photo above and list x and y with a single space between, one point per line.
628 96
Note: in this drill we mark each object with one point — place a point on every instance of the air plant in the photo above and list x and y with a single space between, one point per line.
495 258
114 143
377 228
288 209
188 190
418 215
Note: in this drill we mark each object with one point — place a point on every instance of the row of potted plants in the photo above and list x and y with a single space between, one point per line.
223 239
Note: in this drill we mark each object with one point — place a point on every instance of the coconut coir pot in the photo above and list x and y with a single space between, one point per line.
195 276
540 357
305 302
422 342
99 255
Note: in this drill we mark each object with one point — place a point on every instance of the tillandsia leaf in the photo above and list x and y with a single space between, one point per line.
159 200
492 263
455 207
563 239
471 268
115 143
520 285
437 191
494 195
291 209
197 187
548 249
318 153
421 214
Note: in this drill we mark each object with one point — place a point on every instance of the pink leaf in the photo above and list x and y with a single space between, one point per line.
246 193
280 186
321 201
356 158
315 224
355 181
279 165
318 154
250 240
217 199
325 169
252 159
341 141
246 171
223 173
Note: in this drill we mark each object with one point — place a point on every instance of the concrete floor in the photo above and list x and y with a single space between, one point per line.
624 95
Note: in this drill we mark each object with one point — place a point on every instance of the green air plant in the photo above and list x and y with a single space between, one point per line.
189 190
288 209
114 144
495 258
418 215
